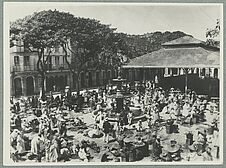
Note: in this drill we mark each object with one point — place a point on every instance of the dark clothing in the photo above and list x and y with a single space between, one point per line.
106 126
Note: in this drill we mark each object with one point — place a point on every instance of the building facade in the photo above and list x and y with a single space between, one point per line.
26 81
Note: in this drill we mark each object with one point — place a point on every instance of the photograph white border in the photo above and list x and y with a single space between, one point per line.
6 86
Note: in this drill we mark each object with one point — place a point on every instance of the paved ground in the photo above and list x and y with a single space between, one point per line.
180 137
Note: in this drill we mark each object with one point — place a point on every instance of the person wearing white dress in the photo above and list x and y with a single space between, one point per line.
186 109
20 144
35 144
82 154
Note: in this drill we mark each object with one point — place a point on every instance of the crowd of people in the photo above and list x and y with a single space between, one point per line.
48 129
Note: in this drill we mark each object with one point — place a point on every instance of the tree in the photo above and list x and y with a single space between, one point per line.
41 32
92 45
88 42
212 35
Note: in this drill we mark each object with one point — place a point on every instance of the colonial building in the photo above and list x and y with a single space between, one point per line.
25 79
181 63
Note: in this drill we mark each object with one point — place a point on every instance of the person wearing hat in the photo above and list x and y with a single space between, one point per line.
106 129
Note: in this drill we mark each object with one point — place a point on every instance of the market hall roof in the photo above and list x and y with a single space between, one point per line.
182 52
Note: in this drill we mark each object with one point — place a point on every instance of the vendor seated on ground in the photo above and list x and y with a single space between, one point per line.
83 155
95 132
64 151
77 121
75 147
174 150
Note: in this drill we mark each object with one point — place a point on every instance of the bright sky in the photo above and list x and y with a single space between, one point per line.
193 19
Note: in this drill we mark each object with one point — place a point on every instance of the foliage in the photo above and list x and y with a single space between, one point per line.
137 45
40 33
212 35
89 43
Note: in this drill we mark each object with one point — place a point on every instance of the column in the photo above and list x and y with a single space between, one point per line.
171 71
200 71
212 72
166 72
186 80
144 74
24 86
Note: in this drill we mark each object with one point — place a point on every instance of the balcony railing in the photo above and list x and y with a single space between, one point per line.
58 67
22 68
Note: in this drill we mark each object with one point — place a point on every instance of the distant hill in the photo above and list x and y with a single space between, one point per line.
137 45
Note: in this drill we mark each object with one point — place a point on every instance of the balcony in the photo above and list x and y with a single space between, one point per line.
22 68
58 67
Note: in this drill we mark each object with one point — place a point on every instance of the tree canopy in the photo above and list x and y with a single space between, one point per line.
89 43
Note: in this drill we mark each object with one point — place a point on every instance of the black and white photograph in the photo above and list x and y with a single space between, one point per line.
113 83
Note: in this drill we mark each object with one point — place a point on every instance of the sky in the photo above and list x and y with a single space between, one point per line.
193 19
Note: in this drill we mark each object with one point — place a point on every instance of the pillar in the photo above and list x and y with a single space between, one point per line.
212 72
144 74
166 72
24 86
186 80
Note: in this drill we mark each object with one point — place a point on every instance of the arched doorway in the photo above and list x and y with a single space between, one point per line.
30 85
90 79
97 78
57 83
75 81
82 77
105 77
50 84
61 82
109 77
18 86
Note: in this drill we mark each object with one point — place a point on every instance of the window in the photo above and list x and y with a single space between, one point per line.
16 60
57 60
57 49
26 60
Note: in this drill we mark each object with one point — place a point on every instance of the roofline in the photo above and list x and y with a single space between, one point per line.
203 45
